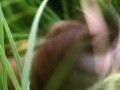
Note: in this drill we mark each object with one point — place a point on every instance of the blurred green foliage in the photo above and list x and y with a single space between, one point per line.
20 13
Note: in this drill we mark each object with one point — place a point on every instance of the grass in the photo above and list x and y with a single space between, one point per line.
4 74
31 46
6 64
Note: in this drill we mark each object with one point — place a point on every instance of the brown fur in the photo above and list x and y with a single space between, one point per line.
60 39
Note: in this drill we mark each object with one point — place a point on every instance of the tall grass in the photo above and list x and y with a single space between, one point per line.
31 45
5 62
4 73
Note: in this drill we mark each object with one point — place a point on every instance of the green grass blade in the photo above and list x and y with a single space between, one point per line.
4 73
1 29
31 45
65 9
10 38
9 69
